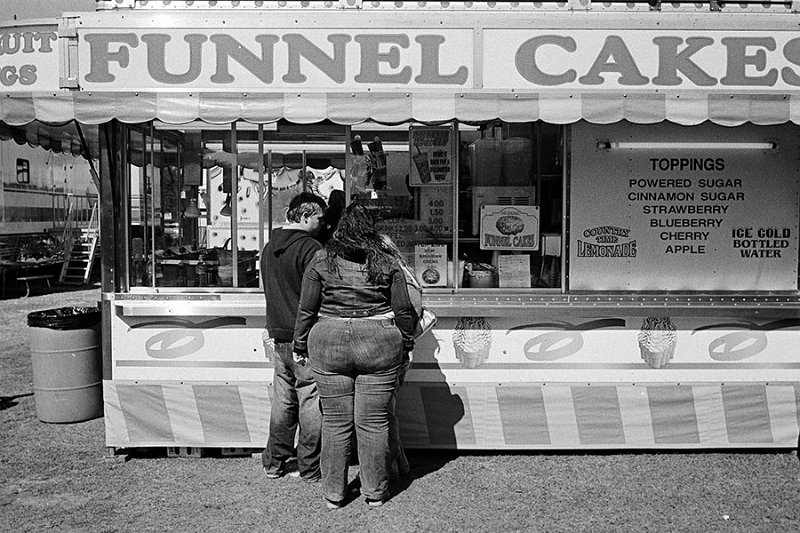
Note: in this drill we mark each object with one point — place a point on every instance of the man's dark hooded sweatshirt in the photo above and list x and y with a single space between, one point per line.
288 252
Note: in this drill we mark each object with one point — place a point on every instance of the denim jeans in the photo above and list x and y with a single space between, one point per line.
399 461
295 402
356 363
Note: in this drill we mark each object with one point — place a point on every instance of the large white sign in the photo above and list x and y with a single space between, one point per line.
640 59
251 59
618 348
384 57
29 59
693 216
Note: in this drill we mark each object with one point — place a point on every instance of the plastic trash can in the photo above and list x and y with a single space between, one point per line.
67 365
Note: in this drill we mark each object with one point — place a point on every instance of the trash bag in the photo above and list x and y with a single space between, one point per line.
65 318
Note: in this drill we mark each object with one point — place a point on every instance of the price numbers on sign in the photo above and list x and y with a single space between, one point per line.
437 210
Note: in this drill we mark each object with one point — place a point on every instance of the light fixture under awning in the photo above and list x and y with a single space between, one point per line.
711 145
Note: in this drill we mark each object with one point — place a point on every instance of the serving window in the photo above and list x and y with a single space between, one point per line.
203 200
661 207
469 207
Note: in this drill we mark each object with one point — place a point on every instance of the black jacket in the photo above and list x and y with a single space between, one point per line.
350 295
283 261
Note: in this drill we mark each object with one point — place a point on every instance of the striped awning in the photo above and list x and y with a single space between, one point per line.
483 416
397 107
48 120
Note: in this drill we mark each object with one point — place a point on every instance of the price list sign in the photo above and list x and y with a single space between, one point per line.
696 216
436 211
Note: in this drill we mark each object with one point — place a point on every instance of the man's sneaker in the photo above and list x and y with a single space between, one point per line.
372 502
272 474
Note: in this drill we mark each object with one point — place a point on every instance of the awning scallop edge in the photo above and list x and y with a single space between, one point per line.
354 108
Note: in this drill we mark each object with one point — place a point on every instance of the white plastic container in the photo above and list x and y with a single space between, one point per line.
486 161
517 161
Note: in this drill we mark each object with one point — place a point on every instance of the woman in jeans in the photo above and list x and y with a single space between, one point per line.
355 324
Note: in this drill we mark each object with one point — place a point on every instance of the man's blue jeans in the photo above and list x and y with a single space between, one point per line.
356 363
295 402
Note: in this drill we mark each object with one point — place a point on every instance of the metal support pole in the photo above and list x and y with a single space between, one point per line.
235 205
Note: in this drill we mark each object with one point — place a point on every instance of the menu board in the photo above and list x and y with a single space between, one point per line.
514 271
431 150
436 211
405 233
433 225
693 218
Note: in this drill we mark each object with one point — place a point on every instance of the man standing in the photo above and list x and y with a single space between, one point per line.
295 400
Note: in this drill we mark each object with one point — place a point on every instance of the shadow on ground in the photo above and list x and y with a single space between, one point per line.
423 463
6 402
17 291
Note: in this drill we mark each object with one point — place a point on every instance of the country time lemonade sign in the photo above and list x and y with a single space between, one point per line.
607 241
693 218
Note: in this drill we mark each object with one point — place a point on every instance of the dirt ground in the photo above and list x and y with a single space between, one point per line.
56 477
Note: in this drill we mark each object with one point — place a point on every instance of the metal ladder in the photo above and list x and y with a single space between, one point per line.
79 253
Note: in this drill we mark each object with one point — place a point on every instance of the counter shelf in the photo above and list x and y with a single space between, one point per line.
484 303
637 304
192 262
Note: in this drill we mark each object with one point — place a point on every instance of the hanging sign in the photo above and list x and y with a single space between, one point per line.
431 155
509 228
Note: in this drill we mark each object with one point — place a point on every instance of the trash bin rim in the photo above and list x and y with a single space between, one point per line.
64 318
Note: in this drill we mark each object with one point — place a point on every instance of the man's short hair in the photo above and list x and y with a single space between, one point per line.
305 204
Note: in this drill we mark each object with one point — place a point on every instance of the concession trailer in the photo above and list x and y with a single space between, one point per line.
600 199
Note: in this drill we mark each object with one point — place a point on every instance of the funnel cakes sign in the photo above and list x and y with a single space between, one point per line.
115 54
252 59
509 228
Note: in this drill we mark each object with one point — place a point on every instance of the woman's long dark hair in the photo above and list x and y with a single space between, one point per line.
357 240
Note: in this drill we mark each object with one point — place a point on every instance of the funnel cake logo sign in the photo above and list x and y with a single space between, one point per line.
566 340
509 228
607 242
186 337
747 341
